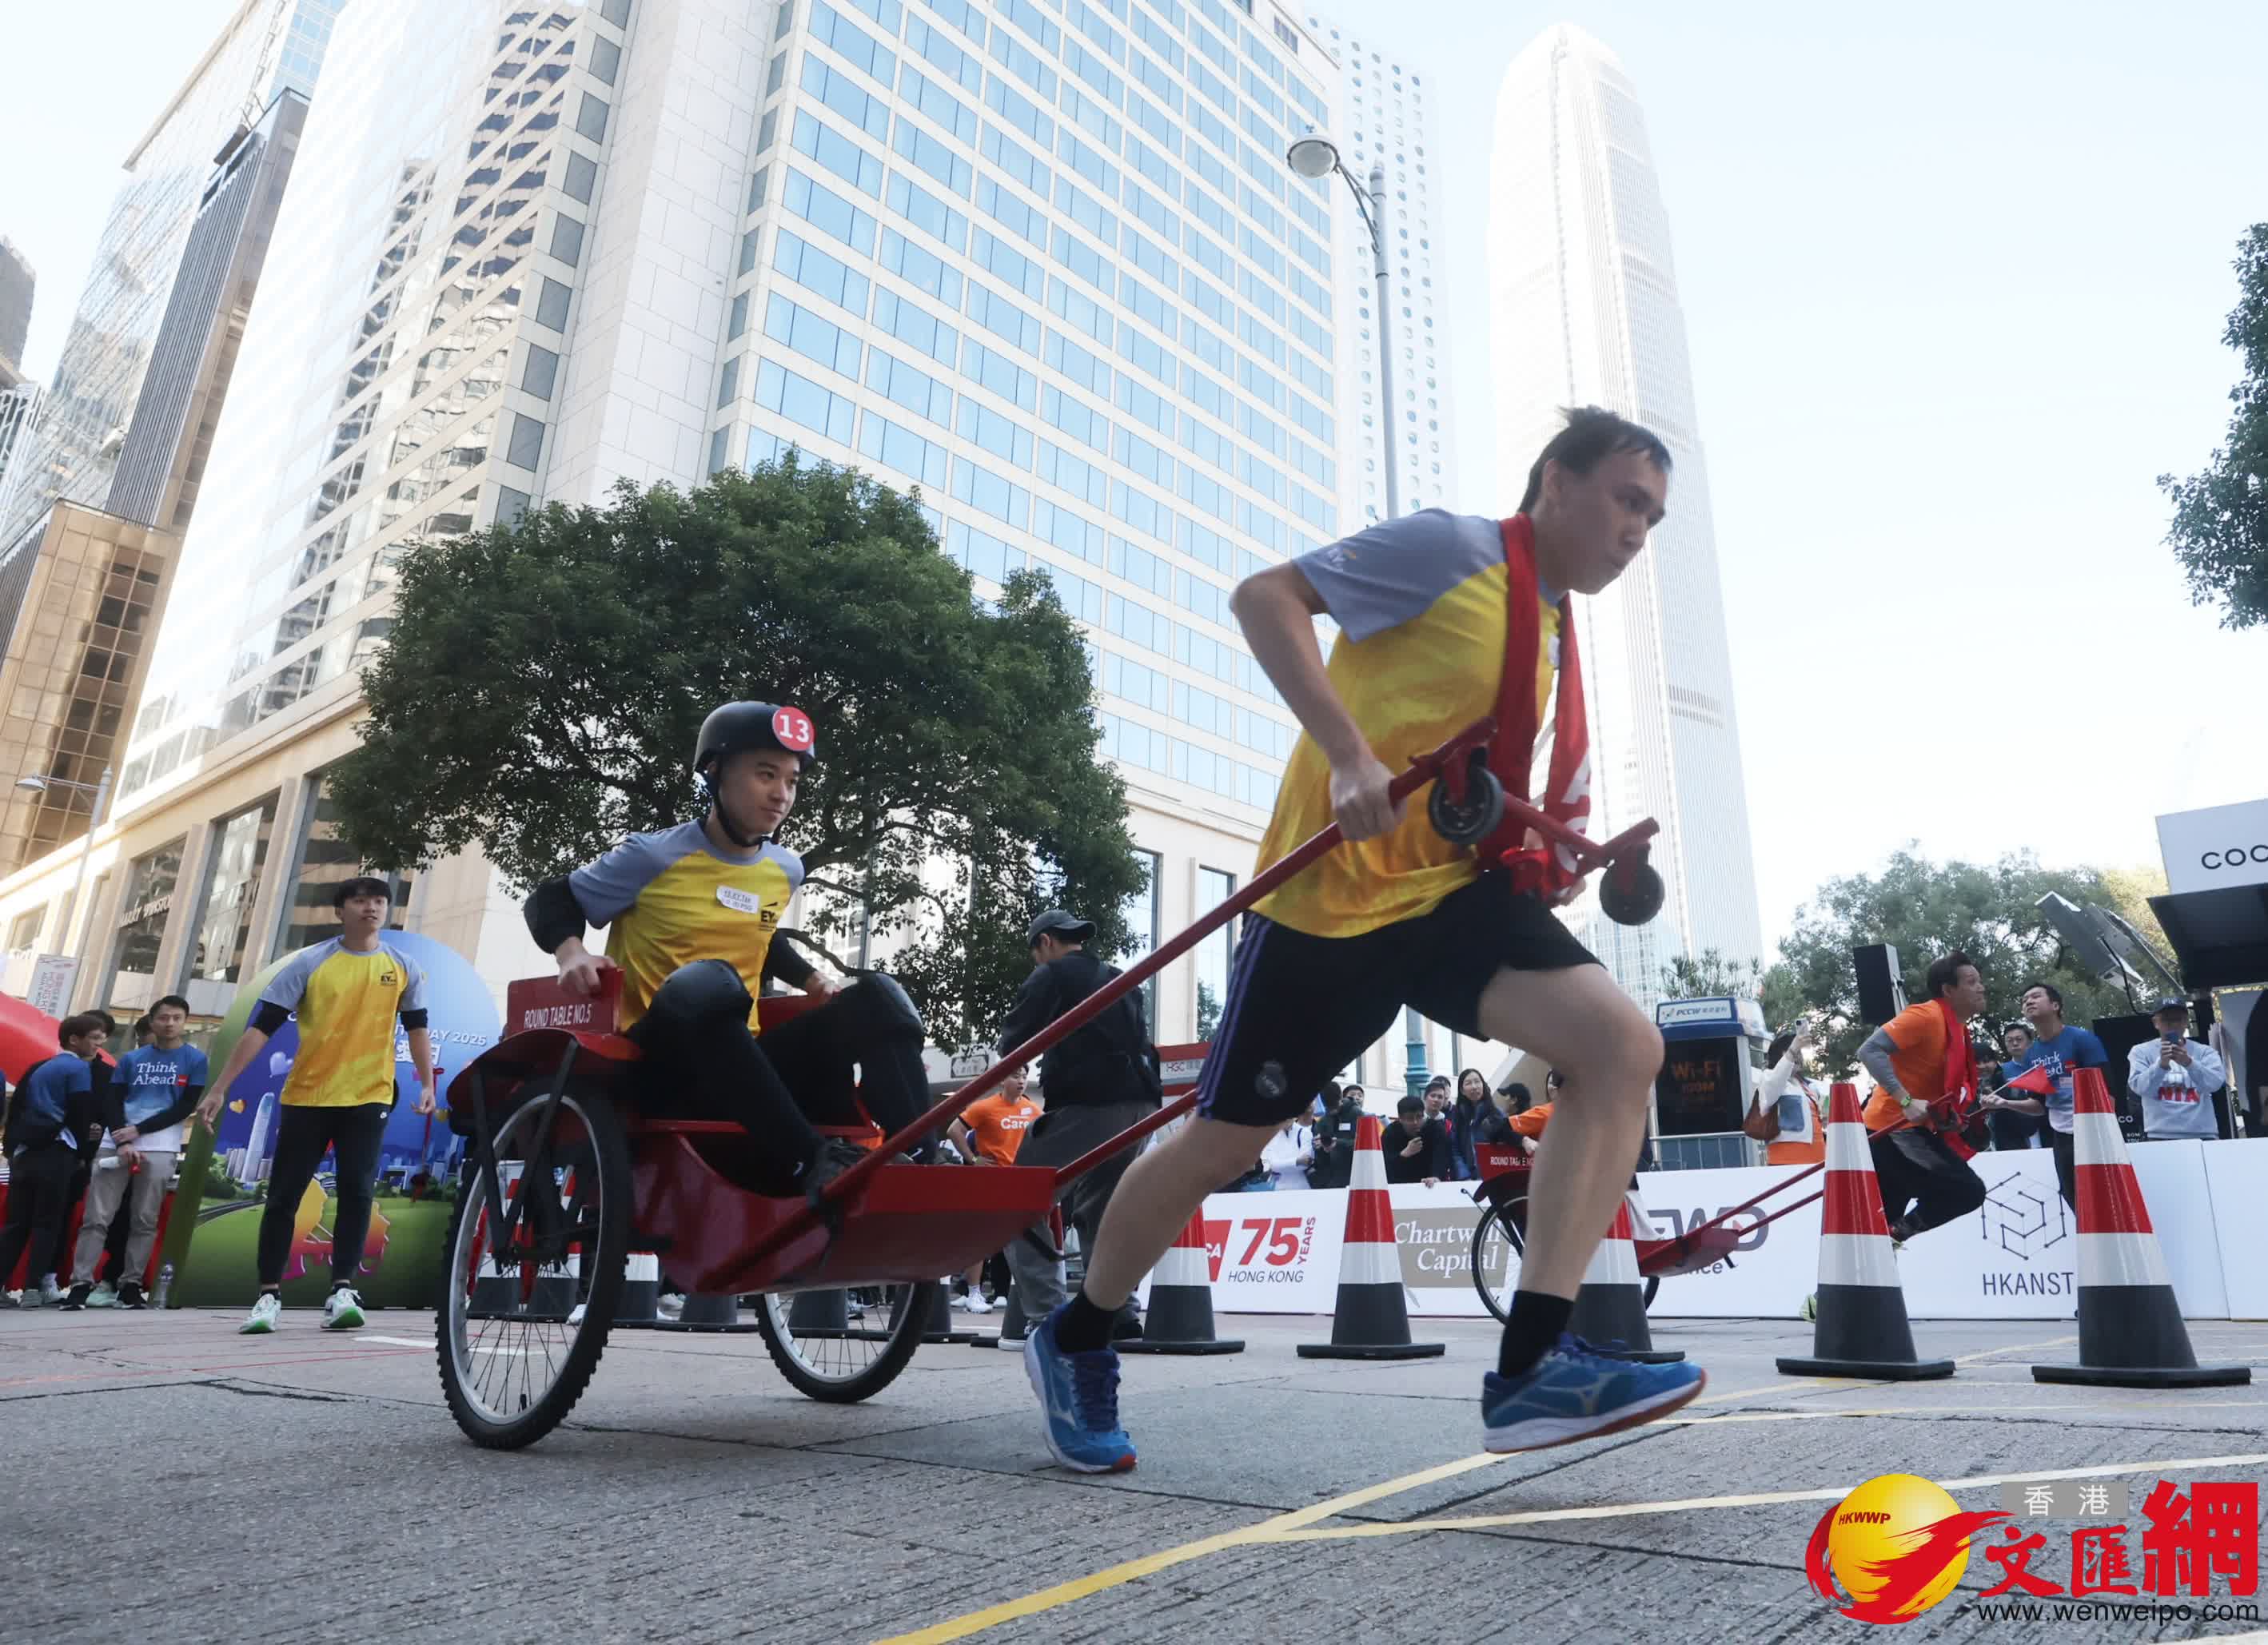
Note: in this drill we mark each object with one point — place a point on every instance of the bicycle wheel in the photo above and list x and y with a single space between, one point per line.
535 1256
1499 1241
843 1347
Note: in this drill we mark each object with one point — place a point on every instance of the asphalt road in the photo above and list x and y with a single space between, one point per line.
169 1480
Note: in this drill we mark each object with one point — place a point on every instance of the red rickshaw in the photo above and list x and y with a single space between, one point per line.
566 1177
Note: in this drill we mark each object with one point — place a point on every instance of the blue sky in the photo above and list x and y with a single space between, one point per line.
1953 279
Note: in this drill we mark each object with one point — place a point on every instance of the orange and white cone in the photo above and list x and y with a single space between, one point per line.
1179 1319
2130 1331
1370 1320
1862 1330
1610 1309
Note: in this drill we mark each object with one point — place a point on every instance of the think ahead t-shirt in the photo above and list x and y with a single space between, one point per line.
1420 605
2061 1055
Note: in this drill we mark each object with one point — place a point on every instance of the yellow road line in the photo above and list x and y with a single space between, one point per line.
1758 1499
1298 1526
1149 1564
2014 1348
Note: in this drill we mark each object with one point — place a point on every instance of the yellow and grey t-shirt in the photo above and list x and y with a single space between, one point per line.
347 1004
671 898
1420 605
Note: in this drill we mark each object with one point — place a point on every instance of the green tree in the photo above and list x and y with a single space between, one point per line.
2220 531
1928 908
544 682
1700 976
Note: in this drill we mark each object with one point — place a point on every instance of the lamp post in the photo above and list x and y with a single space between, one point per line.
1311 157
101 792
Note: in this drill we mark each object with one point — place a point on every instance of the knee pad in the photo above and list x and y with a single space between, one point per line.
875 1007
692 997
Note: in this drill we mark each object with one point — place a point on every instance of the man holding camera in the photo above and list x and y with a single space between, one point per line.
2174 1077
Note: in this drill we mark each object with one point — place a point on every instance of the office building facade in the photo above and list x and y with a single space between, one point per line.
1387 116
1044 262
266 47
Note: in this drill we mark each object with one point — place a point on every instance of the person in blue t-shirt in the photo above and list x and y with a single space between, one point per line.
152 1091
52 1115
2061 1049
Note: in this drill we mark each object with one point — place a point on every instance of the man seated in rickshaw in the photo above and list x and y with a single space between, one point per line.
692 912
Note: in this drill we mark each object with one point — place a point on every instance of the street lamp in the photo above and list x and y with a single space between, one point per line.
1315 156
1311 157
101 792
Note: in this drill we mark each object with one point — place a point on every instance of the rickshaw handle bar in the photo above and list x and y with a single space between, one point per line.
1422 770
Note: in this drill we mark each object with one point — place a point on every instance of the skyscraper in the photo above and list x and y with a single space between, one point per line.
1386 113
1583 300
267 46
17 282
1046 262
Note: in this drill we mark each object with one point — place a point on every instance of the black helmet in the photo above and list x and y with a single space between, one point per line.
736 727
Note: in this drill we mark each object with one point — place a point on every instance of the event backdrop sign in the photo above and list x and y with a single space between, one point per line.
418 1156
2014 1259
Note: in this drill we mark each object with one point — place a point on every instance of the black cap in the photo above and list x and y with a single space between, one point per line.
1058 922
2163 1006
361 885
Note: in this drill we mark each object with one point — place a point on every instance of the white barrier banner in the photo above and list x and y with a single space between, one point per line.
2236 1178
2014 1259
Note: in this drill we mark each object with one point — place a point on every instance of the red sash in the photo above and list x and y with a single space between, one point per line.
1512 756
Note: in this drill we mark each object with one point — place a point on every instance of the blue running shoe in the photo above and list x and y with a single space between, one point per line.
1079 1395
1576 1393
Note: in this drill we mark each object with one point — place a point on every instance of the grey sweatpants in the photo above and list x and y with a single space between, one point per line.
1060 1136
105 1189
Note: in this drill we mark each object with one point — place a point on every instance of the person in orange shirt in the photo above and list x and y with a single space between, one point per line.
1919 1056
991 1130
1802 1139
988 1132
1527 1120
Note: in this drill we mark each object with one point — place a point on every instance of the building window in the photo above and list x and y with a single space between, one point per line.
541 371
321 860
1214 954
24 929
526 441
223 924
142 920
551 305
1141 911
582 176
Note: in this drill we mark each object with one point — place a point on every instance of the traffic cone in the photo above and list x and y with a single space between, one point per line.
708 1314
1610 1309
940 1327
1370 1320
820 1314
1180 1320
640 1303
2130 1333
1862 1329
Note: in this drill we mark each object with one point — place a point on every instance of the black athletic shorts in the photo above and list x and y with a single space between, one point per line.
1301 1008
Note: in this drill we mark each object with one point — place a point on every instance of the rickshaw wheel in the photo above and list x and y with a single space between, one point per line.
1500 1238
843 1347
520 1331
1477 817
